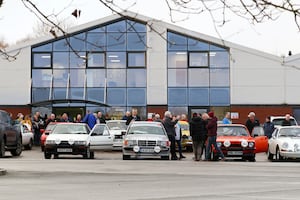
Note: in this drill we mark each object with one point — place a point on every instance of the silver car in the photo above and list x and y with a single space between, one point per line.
146 139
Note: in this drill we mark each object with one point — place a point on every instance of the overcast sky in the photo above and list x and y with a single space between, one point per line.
277 37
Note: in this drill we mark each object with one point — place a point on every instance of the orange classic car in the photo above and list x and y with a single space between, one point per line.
45 134
235 141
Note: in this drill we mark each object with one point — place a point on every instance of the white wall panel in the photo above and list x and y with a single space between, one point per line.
15 79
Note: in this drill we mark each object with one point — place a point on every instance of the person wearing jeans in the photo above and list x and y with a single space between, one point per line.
212 136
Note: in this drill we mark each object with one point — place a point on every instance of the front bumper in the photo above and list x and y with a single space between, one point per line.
70 149
146 152
117 144
237 152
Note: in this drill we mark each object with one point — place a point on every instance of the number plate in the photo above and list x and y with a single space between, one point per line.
147 150
64 150
235 153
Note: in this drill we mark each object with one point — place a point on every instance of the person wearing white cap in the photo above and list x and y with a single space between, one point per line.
251 122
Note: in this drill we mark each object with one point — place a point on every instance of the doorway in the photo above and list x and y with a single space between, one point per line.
199 110
71 111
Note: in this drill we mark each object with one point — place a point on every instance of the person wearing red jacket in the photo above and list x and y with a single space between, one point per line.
212 136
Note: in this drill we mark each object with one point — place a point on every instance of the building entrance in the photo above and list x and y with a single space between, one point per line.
71 111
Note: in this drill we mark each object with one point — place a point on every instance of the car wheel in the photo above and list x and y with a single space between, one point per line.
92 155
165 158
2 148
252 159
126 157
87 153
29 146
42 148
18 150
278 156
56 156
270 155
47 155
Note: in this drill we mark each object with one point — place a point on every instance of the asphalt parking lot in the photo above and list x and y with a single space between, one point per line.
109 177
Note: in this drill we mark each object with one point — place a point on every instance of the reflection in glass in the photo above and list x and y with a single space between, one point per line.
96 77
46 47
41 78
61 45
60 93
177 77
78 42
77 60
219 59
77 93
219 97
96 59
136 96
177 60
95 94
42 60
177 96
133 26
198 97
77 78
136 41
61 60
198 77
136 59
198 59
116 96
176 41
136 78
116 42
116 77
196 45
96 42
60 78
116 59
40 94
117 27
219 77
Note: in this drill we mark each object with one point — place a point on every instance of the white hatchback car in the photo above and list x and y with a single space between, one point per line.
277 120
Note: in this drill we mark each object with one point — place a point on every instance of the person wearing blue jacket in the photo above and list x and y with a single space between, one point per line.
90 119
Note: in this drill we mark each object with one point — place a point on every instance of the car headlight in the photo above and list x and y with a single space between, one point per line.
285 145
50 141
227 143
251 144
80 142
219 144
136 149
244 143
57 141
157 149
163 143
130 142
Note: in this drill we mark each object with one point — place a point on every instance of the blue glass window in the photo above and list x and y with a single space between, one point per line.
176 42
60 93
198 97
196 45
136 59
42 60
95 94
43 48
177 60
77 60
219 59
198 59
40 94
76 93
136 78
60 78
177 96
116 59
219 77
219 97
61 60
41 78
117 27
96 42
61 45
78 42
77 78
216 48
198 77
98 30
133 26
116 77
116 96
177 77
136 41
96 78
178 110
96 60
116 42
136 97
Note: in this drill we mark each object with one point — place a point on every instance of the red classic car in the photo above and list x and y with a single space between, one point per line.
45 134
235 141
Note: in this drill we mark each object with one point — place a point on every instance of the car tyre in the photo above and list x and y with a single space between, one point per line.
2 148
87 153
56 156
270 156
42 148
47 155
126 157
18 150
165 158
278 156
29 146
252 159
92 155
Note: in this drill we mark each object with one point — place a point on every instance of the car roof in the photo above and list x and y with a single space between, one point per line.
280 117
287 127
148 123
233 125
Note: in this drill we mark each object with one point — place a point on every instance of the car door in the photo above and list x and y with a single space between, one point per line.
261 141
273 141
100 138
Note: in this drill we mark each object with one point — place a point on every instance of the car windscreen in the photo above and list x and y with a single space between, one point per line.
70 129
278 122
116 125
232 131
184 127
289 132
50 127
156 130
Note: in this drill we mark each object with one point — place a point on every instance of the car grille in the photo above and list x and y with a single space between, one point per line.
64 144
146 143
118 136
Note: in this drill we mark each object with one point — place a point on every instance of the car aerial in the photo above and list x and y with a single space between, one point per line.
27 136
284 143
186 139
10 136
45 134
277 120
117 129
235 142
146 139
69 138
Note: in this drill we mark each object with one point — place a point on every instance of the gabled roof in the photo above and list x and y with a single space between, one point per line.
139 17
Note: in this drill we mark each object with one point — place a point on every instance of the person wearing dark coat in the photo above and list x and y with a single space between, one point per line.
133 117
199 134
268 127
169 124
251 122
287 120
